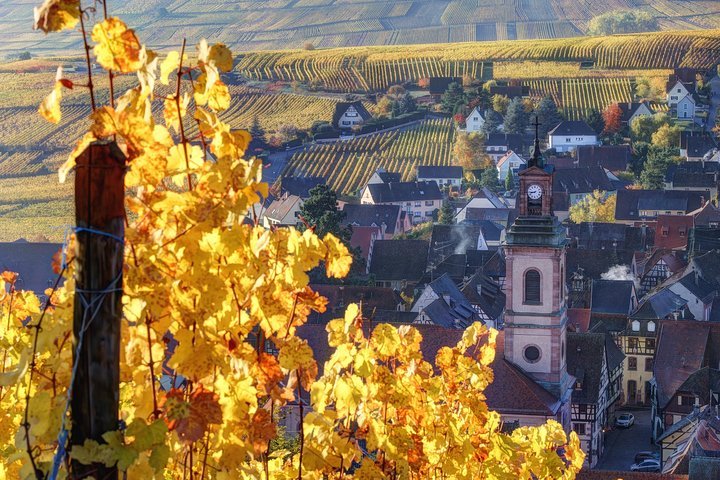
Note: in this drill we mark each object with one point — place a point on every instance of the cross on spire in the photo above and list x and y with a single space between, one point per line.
536 160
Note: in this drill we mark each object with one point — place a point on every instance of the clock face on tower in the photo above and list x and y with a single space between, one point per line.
534 192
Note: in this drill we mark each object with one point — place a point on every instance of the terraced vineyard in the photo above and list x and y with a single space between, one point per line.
376 68
576 96
348 165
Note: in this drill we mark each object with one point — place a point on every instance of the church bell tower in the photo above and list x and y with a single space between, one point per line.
536 310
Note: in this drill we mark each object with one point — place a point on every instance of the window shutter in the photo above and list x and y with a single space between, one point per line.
532 286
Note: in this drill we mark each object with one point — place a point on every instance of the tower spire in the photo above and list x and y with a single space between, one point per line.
536 160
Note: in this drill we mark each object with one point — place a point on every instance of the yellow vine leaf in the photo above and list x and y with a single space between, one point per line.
69 164
169 65
171 114
118 48
50 106
56 15
221 56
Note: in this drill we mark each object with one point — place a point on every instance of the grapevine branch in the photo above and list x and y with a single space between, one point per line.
87 58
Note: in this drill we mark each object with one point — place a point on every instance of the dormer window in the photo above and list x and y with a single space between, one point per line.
635 326
651 326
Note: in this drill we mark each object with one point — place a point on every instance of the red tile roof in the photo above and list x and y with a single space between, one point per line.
363 237
579 319
672 231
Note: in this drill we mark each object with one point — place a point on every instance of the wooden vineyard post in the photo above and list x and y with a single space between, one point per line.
100 231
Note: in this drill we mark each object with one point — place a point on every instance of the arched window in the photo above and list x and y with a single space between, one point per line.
532 286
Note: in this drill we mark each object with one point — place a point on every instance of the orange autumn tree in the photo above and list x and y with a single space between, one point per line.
226 290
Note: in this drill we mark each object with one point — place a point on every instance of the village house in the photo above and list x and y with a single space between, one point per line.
695 147
637 207
692 445
388 218
633 110
444 176
383 176
475 121
398 264
498 144
672 231
486 297
419 199
569 135
350 114
511 161
577 183
678 91
283 211
596 363
614 158
441 303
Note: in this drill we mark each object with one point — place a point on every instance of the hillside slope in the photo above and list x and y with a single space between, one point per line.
271 24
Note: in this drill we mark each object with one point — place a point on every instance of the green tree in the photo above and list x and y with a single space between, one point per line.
656 165
595 207
408 103
500 104
594 118
493 120
447 214
319 211
639 156
548 115
642 128
454 98
667 136
258 135
516 118
489 178
509 180
622 21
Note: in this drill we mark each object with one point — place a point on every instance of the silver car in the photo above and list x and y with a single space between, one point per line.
625 420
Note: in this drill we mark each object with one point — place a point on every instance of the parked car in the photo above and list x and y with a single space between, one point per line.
625 420
646 455
651 465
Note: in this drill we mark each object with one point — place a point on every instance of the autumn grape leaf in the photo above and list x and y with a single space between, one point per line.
338 259
221 56
50 106
169 65
385 339
92 452
118 48
56 15
295 353
262 430
191 419
125 454
172 116
267 373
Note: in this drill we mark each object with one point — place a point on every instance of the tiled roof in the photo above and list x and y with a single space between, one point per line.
300 186
363 238
279 208
32 261
453 239
697 145
629 109
680 352
581 180
615 355
372 215
585 352
340 296
579 319
512 141
672 231
572 127
631 202
399 260
661 305
404 192
706 214
612 296
482 291
613 157
697 285
437 171
708 265
341 108
625 475
458 313
596 235
387 177
596 262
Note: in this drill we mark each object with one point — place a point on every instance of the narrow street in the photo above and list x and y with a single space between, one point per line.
621 444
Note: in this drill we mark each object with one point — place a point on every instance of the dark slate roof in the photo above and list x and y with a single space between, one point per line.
608 323
32 261
341 108
339 297
404 191
595 235
510 91
482 291
399 260
697 145
372 215
698 286
708 265
701 383
300 186
437 171
613 157
512 141
495 266
572 127
699 181
491 231
630 202
455 266
612 296
453 239
503 216
596 262
705 215
388 177
585 352
615 355
660 305
581 180
439 85
681 351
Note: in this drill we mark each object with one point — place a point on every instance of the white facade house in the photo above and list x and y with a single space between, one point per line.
685 108
442 175
569 135
283 211
510 161
350 114
677 93
474 121
419 200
